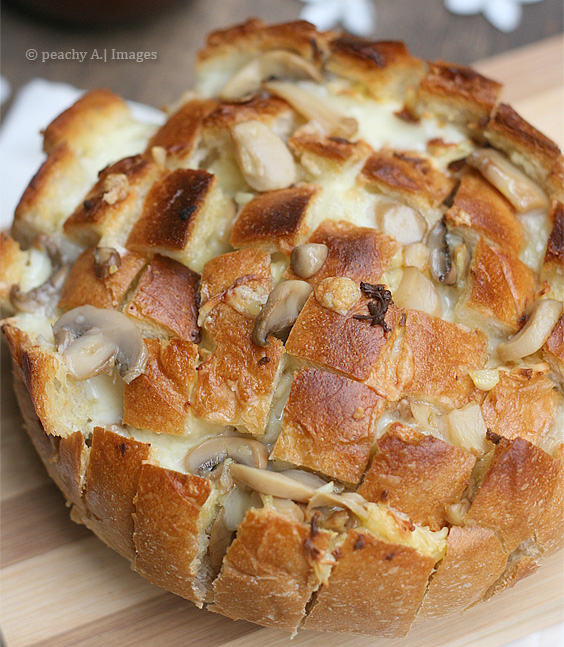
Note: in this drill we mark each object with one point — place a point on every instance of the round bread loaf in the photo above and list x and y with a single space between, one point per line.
298 353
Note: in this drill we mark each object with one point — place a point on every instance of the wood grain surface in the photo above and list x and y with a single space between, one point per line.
61 587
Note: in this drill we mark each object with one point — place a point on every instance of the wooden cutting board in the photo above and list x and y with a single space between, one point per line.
61 587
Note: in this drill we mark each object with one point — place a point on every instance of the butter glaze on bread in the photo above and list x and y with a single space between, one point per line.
428 473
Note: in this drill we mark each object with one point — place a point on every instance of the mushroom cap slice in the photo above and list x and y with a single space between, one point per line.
517 187
210 453
442 267
274 483
417 292
307 259
92 340
107 261
281 310
315 109
276 64
264 159
402 222
532 337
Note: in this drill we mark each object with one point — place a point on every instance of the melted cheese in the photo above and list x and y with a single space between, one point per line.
537 230
37 270
103 399
170 451
380 127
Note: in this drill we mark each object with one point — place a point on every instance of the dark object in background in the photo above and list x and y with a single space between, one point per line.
90 13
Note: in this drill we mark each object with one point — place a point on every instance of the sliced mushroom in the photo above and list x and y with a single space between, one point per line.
274 483
456 512
210 453
107 261
93 340
442 267
543 317
45 295
517 187
307 478
417 292
287 508
276 64
264 159
307 259
395 219
220 539
313 108
461 259
467 429
281 310
326 498
236 504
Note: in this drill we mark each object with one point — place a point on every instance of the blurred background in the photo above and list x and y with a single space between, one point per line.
173 30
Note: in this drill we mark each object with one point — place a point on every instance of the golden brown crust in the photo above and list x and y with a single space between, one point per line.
458 94
249 267
12 263
342 343
554 255
385 68
351 602
328 425
361 253
436 356
158 400
71 466
171 210
255 36
180 135
522 405
83 286
480 207
474 560
65 459
515 492
112 479
267 575
114 203
168 518
406 177
261 108
41 370
554 348
500 286
348 368
516 570
39 208
417 474
166 299
321 154
528 148
89 114
235 383
548 535
277 220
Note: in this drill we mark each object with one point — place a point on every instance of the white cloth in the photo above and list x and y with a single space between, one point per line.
38 103
356 16
34 107
504 15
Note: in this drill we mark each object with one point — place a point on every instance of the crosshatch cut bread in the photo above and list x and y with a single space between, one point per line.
297 353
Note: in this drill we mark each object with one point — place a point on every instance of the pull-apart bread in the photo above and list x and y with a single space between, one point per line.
298 353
